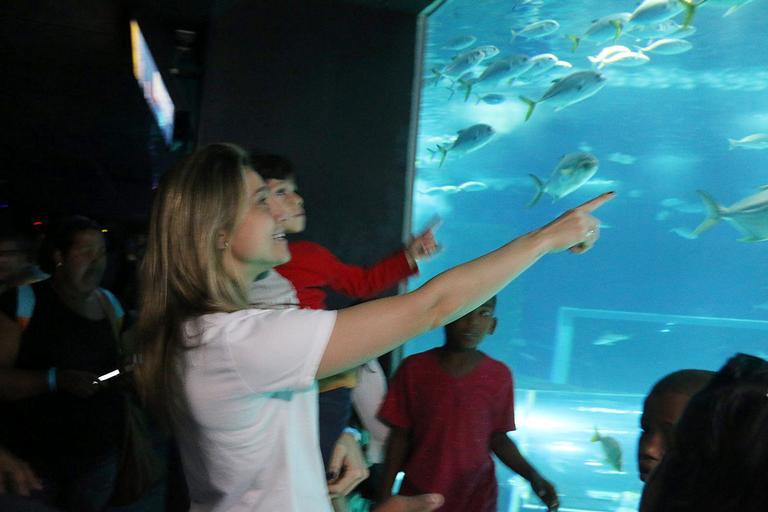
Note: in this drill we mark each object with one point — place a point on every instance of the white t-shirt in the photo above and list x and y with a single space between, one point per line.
250 439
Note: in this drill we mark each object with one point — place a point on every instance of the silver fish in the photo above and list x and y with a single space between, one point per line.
602 29
573 170
537 29
467 140
668 46
540 64
501 69
749 216
609 339
568 90
656 11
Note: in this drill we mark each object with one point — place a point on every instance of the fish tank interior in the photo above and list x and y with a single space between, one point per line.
670 110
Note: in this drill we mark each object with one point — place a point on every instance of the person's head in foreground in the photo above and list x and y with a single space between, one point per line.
719 459
661 410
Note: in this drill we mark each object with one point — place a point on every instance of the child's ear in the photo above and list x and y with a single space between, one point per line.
493 326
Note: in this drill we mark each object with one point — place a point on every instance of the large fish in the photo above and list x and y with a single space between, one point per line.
540 64
537 29
467 140
650 12
611 449
568 90
573 170
506 69
602 29
749 216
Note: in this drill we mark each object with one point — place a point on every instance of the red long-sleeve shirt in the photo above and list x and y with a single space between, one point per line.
313 268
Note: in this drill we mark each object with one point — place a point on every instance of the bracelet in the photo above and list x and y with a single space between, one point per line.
52 379
353 432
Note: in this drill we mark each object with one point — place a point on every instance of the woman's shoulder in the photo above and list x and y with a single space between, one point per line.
250 321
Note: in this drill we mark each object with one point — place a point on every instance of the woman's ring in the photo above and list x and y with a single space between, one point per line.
589 233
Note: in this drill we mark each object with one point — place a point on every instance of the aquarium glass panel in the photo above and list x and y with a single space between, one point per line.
531 107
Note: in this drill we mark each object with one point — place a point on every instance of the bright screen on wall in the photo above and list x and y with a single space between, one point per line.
151 82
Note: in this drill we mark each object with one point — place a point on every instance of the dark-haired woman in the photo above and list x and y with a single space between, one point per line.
56 338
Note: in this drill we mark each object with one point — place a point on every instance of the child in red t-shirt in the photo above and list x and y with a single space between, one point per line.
448 409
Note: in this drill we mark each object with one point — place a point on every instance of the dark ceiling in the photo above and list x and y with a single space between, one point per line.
79 137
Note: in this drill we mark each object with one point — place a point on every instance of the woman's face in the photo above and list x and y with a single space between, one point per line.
82 266
258 241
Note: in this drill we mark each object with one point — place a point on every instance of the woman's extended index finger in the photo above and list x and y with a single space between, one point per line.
594 204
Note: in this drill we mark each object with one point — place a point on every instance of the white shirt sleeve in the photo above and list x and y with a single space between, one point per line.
275 350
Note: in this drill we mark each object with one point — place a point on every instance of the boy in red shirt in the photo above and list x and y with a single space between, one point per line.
448 409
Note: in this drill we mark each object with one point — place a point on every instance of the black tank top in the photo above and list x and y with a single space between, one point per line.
60 425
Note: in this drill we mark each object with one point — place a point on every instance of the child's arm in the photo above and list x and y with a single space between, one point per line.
398 448
506 450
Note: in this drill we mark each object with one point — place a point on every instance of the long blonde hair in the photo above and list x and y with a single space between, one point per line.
183 273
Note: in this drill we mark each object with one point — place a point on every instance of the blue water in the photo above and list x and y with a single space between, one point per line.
660 131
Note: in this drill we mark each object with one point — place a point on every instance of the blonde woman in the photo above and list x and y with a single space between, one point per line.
237 383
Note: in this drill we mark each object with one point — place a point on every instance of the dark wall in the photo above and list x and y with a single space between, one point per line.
329 85
78 136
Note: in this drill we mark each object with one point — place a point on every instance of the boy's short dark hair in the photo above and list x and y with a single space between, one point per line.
272 167
686 382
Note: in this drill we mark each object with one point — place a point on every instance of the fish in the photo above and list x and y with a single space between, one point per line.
473 186
492 99
568 90
655 11
602 29
460 64
749 216
460 43
467 140
501 69
629 58
607 52
663 29
444 189
540 64
754 141
488 51
611 449
571 172
537 29
667 46
465 61
609 339
622 158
